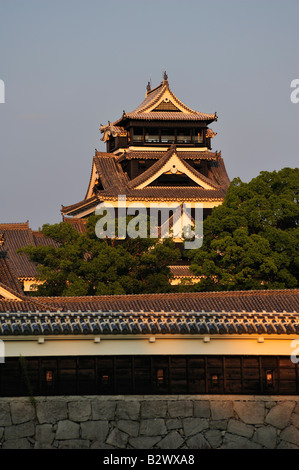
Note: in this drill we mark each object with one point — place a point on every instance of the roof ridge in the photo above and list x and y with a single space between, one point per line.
180 294
15 226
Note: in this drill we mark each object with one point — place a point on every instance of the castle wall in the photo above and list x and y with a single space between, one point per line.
150 422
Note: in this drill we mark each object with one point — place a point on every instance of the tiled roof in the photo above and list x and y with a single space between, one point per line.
219 174
78 207
78 224
112 130
154 155
116 182
109 170
17 236
160 163
7 277
142 324
228 301
152 193
172 193
146 110
169 116
250 312
181 271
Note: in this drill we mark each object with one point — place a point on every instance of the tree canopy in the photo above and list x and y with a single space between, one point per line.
82 264
251 241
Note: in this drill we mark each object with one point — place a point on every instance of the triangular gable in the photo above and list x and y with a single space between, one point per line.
167 105
158 98
9 294
167 99
171 163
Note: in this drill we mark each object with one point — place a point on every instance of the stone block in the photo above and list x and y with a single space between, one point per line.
214 437
220 424
180 409
280 415
240 428
286 445
79 410
21 412
173 423
222 409
67 430
94 430
266 436
144 442
202 409
127 410
128 426
290 434
193 426
230 441
5 418
197 442
51 411
295 420
73 444
103 409
44 433
17 444
153 427
100 445
251 412
153 409
118 438
18 431
173 440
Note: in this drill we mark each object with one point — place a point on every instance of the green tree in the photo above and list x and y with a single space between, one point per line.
82 264
251 241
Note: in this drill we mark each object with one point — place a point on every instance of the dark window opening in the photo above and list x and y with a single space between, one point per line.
170 179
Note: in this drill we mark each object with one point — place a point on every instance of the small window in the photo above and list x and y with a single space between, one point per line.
105 379
49 378
270 378
160 377
215 379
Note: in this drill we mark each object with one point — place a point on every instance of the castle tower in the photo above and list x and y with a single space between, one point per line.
159 152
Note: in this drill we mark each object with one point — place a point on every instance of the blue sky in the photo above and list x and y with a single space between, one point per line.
70 65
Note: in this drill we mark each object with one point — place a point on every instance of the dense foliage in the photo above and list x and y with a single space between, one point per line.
82 264
251 241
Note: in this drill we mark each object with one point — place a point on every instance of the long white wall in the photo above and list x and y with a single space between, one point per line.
109 345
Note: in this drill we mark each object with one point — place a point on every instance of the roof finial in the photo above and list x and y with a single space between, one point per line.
165 76
148 86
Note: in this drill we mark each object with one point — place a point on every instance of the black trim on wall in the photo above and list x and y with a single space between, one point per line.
151 375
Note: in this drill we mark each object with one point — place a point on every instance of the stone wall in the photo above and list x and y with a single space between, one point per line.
150 422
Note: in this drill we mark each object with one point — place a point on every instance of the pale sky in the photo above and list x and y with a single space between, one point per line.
70 65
